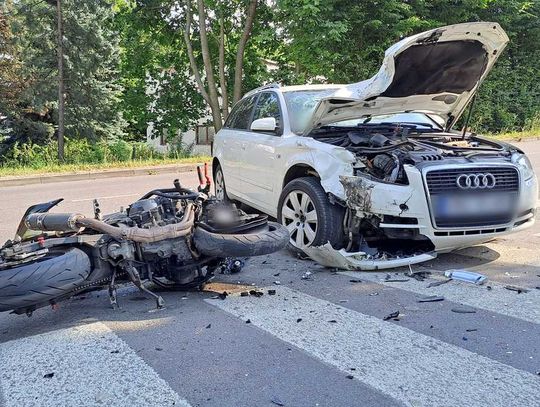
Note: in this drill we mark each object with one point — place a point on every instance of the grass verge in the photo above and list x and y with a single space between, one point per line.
516 135
74 168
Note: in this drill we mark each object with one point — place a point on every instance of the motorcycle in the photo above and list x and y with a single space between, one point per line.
175 238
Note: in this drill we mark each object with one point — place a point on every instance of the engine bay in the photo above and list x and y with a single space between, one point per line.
382 149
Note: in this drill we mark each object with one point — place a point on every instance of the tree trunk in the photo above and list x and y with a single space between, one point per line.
61 85
191 55
222 78
238 70
209 69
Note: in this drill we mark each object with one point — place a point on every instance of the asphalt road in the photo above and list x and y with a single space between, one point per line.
321 341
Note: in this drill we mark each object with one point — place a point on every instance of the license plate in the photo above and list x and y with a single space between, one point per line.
464 205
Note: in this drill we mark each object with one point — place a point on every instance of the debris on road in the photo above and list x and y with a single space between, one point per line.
519 290
467 276
48 376
389 279
350 376
307 275
271 292
355 281
208 326
256 293
438 283
223 295
231 266
463 310
392 315
244 294
277 402
277 282
431 298
299 320
471 330
333 321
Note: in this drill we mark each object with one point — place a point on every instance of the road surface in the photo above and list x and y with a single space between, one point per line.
320 341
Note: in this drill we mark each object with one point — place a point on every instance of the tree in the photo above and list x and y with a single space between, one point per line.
89 60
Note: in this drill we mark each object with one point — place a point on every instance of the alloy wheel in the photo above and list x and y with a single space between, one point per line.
219 184
299 216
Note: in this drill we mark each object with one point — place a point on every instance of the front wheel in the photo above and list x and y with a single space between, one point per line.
219 184
268 239
308 215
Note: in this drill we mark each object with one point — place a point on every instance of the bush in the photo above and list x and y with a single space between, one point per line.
81 151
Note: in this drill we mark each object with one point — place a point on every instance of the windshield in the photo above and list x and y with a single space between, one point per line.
301 104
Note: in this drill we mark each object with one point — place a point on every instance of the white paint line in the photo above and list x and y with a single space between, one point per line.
103 197
413 368
87 369
525 306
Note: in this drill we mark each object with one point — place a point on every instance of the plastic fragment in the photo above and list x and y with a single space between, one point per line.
463 310
223 295
467 276
277 402
48 375
392 315
519 290
256 293
438 283
271 292
431 298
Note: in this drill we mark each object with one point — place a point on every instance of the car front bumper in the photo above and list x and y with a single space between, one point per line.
367 197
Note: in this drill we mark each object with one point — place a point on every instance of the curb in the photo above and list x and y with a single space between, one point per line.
89 175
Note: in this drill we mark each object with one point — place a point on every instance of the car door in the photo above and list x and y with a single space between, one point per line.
230 144
258 153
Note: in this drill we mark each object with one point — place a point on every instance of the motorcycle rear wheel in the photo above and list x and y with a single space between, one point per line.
25 287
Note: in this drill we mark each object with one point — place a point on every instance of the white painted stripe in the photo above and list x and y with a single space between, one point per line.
87 369
525 306
413 368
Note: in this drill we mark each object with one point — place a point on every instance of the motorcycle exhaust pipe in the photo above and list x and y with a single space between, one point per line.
52 222
72 222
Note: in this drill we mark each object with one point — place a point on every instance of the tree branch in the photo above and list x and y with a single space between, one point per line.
192 62
212 89
222 79
252 8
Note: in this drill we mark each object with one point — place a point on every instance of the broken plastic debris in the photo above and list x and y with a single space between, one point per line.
48 375
231 266
467 276
519 290
271 292
355 281
256 293
438 283
223 295
431 298
392 315
463 310
244 294
306 275
277 402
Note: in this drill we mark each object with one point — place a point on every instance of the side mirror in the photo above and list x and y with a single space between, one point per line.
266 124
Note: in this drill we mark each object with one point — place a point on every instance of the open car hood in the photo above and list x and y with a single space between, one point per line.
436 72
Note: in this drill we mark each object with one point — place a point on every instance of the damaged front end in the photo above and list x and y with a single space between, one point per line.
418 191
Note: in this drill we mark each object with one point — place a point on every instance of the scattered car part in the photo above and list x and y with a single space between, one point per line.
431 298
467 276
463 310
519 290
392 315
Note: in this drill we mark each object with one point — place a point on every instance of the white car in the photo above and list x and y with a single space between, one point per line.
371 175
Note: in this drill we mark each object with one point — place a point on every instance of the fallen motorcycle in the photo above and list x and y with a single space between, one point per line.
176 238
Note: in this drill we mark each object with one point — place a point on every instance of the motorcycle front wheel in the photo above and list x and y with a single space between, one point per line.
266 240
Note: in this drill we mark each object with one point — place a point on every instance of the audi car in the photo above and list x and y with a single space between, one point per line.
375 174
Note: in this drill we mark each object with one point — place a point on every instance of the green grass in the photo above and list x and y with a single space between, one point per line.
70 168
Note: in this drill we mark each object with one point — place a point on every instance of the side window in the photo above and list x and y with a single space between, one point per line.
240 117
268 106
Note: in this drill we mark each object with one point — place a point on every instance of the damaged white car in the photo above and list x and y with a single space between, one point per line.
371 175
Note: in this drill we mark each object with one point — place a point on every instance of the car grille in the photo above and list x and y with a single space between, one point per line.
443 182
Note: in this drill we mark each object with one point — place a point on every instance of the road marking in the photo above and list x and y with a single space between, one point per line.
524 306
91 366
411 367
103 197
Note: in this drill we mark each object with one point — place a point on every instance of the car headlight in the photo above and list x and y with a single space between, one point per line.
524 165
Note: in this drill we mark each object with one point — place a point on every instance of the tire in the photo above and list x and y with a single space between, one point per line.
36 284
269 240
328 219
219 185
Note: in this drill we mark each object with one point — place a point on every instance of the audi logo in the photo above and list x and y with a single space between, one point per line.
476 181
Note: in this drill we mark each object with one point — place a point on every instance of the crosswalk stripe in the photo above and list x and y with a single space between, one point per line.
525 306
90 365
413 368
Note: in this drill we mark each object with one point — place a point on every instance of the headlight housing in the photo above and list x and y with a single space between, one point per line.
524 165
